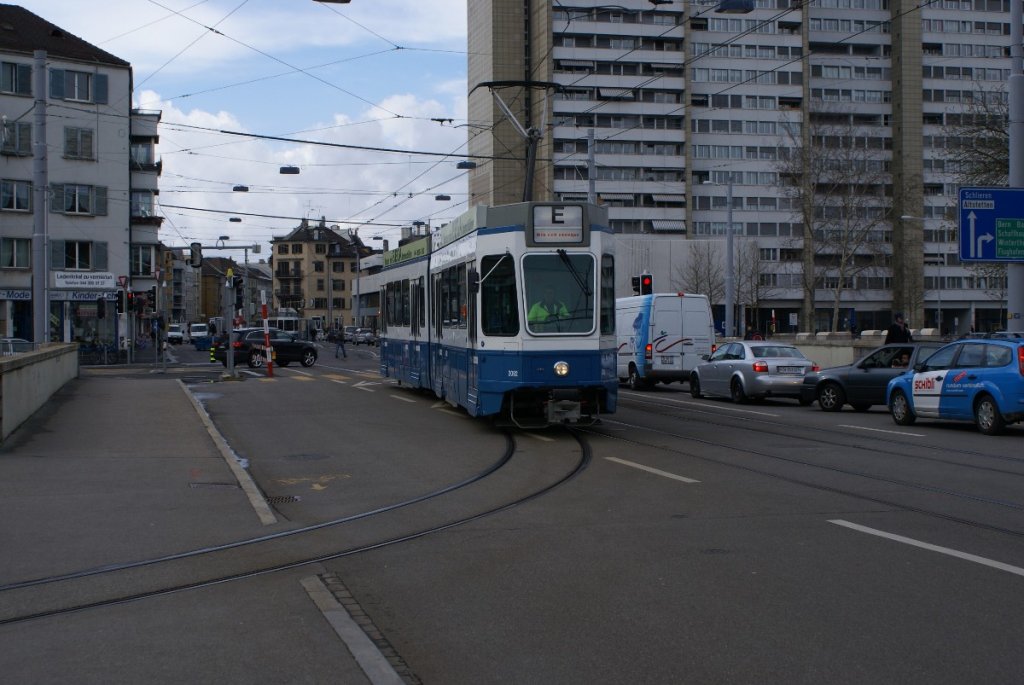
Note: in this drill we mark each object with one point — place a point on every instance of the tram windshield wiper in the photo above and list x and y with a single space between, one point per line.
572 270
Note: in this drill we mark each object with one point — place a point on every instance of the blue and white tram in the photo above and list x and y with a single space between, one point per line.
458 313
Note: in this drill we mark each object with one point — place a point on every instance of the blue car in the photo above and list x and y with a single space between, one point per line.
968 380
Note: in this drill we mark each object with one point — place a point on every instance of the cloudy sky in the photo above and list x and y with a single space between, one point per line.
373 73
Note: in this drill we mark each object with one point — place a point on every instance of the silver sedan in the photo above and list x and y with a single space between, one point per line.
752 369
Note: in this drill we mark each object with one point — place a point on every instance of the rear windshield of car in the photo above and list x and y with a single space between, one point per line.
776 351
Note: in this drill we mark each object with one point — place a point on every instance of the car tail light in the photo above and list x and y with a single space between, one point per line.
713 348
649 351
760 366
815 367
1020 359
237 345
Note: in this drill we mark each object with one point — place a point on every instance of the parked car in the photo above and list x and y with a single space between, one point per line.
862 384
752 369
11 346
248 348
364 336
175 333
349 332
979 380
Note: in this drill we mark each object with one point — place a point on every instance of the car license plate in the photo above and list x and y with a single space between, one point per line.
666 360
791 369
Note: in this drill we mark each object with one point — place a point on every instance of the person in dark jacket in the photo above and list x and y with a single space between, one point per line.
898 331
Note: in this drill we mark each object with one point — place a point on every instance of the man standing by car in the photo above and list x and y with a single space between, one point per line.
339 343
898 331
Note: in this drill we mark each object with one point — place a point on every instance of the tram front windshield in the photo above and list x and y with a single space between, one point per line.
559 293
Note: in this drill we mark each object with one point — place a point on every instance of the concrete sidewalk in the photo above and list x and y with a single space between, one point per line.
123 465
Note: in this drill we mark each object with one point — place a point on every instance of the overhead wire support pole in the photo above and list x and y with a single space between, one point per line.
1015 272
534 134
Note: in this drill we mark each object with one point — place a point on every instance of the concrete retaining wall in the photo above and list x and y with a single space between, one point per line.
29 379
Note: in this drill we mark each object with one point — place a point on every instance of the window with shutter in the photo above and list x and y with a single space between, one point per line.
15 79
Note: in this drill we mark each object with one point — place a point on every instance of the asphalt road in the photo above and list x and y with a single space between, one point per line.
705 542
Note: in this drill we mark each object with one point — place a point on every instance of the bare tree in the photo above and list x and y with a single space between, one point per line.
978 153
703 271
752 282
837 175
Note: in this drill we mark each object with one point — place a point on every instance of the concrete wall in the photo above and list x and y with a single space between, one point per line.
28 380
839 349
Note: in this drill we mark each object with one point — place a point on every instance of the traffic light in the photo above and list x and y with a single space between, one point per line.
195 259
120 301
152 297
238 284
646 284
636 285
101 308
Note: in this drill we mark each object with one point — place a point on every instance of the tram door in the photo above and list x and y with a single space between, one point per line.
437 352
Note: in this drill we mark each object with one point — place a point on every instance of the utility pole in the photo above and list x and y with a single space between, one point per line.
40 183
1015 272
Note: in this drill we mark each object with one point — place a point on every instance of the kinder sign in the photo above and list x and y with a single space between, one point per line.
93 280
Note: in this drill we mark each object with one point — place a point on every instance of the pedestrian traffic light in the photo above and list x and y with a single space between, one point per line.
238 284
646 284
636 285
120 301
101 308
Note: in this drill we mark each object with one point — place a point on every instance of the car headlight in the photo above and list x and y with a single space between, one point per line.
561 368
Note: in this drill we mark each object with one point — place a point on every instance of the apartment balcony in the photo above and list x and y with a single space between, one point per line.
144 122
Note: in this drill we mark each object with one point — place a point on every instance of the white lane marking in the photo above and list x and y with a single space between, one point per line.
1017 570
362 385
656 472
701 405
538 436
881 430
404 399
338 381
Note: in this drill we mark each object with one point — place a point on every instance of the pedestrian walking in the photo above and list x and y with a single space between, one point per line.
898 331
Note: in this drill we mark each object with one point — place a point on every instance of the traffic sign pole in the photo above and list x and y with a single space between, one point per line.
1015 88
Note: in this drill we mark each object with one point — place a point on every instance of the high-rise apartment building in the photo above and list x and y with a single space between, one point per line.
819 132
78 177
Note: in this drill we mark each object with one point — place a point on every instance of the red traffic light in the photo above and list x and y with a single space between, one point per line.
646 284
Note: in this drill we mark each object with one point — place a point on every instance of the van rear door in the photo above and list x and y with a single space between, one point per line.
667 336
698 330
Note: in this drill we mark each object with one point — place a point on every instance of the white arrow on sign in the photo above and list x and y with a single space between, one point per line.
970 242
982 239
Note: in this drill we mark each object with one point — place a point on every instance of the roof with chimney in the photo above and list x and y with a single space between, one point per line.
24 32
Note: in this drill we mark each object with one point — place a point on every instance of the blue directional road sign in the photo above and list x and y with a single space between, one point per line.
992 224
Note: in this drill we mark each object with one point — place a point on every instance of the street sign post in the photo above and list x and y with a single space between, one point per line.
992 225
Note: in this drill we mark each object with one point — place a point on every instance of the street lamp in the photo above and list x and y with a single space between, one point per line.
730 271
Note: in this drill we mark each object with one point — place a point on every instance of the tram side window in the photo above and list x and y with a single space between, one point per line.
405 302
453 296
499 309
607 294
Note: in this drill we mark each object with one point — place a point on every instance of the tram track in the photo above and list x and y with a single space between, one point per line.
1014 506
888 444
111 571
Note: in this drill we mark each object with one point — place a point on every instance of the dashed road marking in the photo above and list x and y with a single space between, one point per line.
657 472
404 399
881 430
1016 570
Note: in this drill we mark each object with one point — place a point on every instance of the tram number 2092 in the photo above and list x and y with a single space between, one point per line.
513 373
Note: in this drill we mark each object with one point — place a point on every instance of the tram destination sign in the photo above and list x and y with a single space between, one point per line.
991 224
559 224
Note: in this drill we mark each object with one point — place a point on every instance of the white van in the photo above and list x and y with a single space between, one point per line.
661 337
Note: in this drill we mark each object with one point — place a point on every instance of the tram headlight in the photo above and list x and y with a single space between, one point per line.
561 368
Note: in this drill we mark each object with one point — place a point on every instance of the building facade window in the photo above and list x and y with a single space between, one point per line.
78 143
78 255
15 196
142 203
142 260
16 138
15 79
15 253
74 198
78 86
